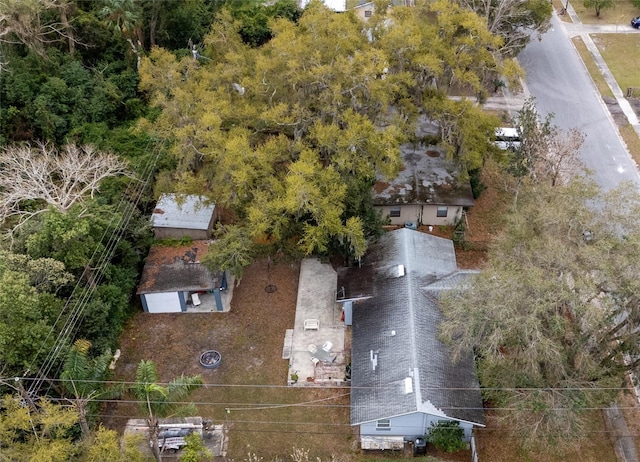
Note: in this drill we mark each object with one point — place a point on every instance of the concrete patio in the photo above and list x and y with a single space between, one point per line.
317 301
208 300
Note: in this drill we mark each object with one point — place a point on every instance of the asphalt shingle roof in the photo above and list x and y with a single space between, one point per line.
172 269
398 325
427 178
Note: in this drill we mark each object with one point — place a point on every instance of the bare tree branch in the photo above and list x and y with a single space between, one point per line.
21 21
516 21
58 178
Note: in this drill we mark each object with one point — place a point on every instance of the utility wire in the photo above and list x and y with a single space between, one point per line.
331 387
311 404
77 306
232 429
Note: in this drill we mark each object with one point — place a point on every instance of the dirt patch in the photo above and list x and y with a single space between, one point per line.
247 392
635 105
495 444
482 222
615 110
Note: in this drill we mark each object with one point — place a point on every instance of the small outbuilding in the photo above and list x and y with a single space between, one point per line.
174 280
181 215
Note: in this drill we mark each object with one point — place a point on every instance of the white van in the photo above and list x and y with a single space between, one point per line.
507 138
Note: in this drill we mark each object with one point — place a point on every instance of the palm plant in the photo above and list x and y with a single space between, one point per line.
83 379
158 401
123 16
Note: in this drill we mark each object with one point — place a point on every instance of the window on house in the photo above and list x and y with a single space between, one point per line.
367 13
395 212
442 212
383 424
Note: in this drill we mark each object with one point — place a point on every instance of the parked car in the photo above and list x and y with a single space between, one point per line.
635 22
172 440
507 138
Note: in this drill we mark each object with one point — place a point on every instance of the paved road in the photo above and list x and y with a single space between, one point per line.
558 80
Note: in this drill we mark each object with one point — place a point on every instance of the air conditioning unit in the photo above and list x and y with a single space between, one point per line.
411 225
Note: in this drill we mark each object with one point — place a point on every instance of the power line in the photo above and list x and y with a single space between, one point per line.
232 429
262 406
77 306
332 387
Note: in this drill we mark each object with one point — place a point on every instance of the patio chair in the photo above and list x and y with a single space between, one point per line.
311 324
327 346
315 361
196 299
312 348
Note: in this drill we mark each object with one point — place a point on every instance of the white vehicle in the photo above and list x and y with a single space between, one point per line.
171 444
172 440
507 138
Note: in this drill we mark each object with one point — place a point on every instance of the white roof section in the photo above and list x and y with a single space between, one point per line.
336 5
182 211
507 131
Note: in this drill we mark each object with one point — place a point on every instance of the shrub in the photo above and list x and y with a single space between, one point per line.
477 186
446 436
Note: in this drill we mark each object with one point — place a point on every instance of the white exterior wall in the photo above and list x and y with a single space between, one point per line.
361 10
422 214
429 215
407 213
411 425
167 302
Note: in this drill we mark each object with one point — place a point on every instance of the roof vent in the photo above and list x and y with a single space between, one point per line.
400 271
408 385
374 359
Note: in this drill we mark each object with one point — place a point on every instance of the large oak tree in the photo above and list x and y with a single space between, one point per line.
553 318
291 135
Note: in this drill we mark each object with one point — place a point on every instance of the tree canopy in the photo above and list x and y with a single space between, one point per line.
28 308
553 317
515 21
291 135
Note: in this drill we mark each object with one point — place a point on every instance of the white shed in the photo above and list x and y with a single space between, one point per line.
179 215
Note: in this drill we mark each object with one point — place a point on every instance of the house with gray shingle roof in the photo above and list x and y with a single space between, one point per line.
429 189
403 378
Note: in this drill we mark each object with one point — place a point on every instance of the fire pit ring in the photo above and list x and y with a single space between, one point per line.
210 359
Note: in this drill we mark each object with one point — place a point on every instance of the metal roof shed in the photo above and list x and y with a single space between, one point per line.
180 215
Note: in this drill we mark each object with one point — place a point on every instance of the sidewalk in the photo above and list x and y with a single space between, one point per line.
623 444
576 28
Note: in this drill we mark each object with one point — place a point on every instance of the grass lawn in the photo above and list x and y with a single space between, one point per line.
621 14
619 51
617 60
266 417
593 70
